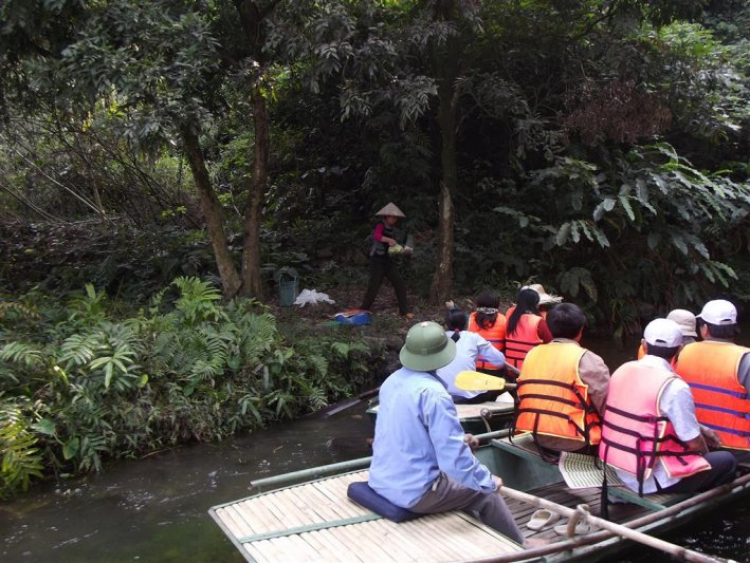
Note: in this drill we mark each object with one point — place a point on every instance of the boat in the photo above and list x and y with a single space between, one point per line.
475 419
294 518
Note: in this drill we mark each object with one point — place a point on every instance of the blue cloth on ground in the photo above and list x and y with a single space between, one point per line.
355 317
362 494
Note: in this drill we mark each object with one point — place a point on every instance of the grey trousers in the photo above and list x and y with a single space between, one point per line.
490 508
742 456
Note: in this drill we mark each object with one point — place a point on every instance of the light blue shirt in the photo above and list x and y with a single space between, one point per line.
469 346
418 435
676 403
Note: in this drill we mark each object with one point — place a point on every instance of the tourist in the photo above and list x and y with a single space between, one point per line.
686 321
652 437
382 264
718 372
525 328
562 388
469 348
488 322
422 460
546 300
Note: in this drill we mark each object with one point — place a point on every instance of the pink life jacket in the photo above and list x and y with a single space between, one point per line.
635 435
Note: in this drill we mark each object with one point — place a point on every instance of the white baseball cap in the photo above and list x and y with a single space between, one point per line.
685 319
664 333
719 312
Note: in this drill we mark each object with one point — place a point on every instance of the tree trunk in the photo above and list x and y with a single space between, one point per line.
442 281
230 280
251 279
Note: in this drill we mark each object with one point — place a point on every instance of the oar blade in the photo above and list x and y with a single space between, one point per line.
476 381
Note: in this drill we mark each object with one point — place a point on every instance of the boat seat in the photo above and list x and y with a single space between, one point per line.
361 493
523 446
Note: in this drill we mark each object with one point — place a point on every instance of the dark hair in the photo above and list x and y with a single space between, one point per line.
566 320
456 319
491 300
528 302
725 332
665 353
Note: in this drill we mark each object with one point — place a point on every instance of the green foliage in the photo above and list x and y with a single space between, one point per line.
188 367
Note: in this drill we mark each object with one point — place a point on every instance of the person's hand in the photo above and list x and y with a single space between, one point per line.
712 438
471 441
408 250
498 482
450 305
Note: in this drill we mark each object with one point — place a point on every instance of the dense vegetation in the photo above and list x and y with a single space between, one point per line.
598 146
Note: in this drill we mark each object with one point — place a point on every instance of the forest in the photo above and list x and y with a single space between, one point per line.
163 161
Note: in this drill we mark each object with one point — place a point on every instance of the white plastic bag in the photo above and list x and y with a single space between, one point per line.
312 297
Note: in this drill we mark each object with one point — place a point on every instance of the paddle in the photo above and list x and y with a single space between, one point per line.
343 405
476 381
582 512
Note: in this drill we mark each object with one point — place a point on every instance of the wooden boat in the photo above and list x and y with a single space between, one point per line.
315 520
475 419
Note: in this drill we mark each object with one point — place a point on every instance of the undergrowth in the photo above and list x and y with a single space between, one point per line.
80 384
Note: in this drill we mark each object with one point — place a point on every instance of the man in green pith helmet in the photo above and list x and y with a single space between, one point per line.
421 458
384 245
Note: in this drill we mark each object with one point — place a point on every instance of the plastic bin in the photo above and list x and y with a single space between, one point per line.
288 287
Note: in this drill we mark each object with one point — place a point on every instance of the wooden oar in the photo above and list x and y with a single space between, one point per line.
477 381
348 403
628 533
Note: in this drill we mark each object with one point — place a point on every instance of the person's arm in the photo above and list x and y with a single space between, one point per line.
543 331
677 405
743 373
448 439
595 373
489 352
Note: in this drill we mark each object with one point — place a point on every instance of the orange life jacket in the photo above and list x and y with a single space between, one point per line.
495 335
553 400
721 403
635 435
523 339
509 312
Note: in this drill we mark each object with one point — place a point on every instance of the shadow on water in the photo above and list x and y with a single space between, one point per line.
155 509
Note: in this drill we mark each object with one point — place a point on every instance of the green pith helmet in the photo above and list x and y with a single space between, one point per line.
427 347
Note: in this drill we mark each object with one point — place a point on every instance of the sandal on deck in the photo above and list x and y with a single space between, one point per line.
541 519
581 529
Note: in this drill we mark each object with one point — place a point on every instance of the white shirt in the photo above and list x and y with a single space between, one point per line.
676 403
469 346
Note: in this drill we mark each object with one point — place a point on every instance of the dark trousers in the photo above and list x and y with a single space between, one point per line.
481 398
723 469
385 268
489 508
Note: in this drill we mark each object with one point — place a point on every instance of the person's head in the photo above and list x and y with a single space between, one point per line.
487 305
527 302
390 214
566 321
427 348
685 320
662 338
718 319
456 319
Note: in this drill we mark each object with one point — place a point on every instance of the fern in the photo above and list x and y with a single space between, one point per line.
21 460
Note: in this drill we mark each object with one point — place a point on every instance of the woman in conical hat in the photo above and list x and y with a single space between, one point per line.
381 265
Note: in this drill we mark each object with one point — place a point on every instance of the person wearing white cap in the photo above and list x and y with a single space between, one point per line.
381 265
421 458
686 321
650 433
718 372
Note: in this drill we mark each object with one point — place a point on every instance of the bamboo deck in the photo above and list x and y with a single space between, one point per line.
317 522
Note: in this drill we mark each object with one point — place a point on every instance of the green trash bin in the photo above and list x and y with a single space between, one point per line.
287 280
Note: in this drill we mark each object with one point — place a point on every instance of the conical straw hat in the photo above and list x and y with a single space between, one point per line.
390 210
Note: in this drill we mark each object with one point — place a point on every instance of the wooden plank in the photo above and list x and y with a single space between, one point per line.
239 521
391 535
347 546
229 522
335 547
263 519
